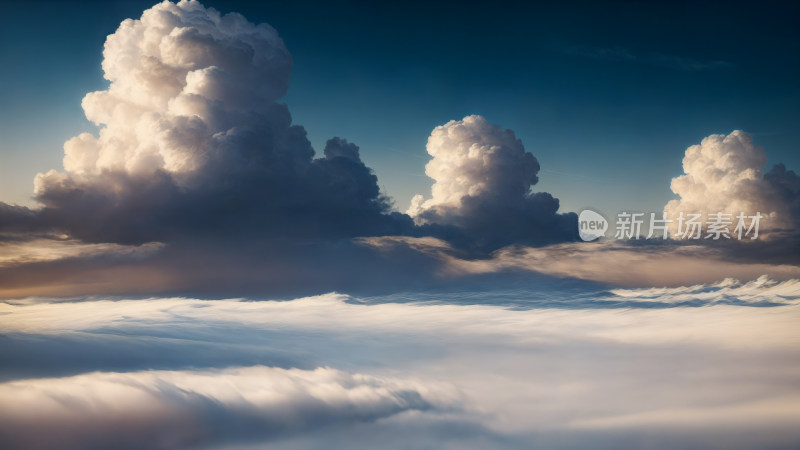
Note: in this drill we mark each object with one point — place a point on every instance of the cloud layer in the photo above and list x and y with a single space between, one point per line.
690 367
182 409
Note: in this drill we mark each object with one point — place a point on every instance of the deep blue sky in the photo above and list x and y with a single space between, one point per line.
606 95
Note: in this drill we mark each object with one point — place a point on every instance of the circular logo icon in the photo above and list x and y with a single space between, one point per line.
591 225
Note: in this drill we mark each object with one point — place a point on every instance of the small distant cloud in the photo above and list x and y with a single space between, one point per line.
622 54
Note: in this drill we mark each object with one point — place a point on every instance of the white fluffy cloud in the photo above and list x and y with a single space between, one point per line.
192 140
179 76
483 177
473 159
724 174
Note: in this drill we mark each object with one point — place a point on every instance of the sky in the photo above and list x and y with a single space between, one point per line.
239 225
606 96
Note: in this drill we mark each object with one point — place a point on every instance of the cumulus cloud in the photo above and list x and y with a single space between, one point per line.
194 146
483 178
193 141
195 151
174 409
725 174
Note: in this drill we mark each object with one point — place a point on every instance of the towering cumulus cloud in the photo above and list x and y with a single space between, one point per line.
724 174
192 140
483 181
196 157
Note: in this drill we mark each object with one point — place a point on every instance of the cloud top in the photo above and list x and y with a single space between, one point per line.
724 174
179 75
192 142
483 178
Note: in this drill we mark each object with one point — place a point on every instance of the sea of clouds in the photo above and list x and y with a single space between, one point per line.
703 366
